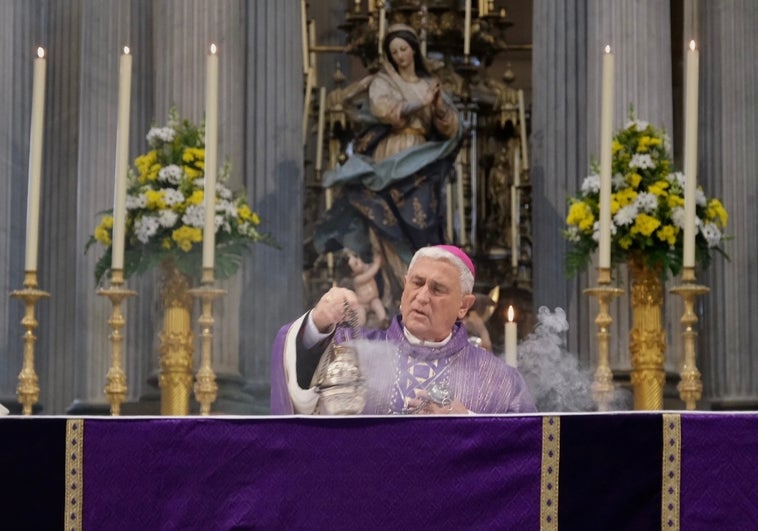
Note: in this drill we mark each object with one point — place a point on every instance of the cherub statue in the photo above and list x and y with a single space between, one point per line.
365 287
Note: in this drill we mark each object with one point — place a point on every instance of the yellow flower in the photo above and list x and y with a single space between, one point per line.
154 199
625 242
616 146
646 142
659 188
645 224
675 201
146 161
634 179
192 173
716 212
192 154
166 243
103 230
580 214
624 197
196 198
186 236
245 214
667 234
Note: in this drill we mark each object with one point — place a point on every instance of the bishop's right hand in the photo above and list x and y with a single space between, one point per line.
331 308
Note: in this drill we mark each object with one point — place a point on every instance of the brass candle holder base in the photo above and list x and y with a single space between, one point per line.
602 387
690 386
115 387
28 382
206 388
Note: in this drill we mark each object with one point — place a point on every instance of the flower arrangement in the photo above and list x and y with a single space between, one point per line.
165 212
647 207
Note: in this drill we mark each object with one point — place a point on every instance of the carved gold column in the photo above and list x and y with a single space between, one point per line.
176 342
602 387
647 340
28 382
690 386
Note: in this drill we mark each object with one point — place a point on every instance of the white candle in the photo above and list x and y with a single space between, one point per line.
122 154
690 156
35 161
606 139
380 34
522 124
459 202
467 29
511 339
320 130
312 45
211 165
304 35
515 210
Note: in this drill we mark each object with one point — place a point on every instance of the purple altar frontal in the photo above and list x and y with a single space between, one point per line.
634 470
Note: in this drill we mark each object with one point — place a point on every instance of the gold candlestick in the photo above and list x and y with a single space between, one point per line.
690 386
28 382
115 387
206 388
602 387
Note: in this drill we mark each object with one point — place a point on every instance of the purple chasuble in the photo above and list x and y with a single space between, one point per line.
394 369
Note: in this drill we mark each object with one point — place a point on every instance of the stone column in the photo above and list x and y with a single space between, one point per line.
727 158
569 38
273 286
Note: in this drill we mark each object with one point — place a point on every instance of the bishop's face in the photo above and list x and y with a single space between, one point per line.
432 299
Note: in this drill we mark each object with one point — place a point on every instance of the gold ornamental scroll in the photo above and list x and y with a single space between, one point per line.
647 339
176 342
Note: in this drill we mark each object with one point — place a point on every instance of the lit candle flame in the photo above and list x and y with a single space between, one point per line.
511 313
126 50
213 48
692 45
40 52
607 48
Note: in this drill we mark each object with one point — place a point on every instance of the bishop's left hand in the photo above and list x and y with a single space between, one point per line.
423 405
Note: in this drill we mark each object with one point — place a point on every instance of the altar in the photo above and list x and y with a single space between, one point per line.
662 470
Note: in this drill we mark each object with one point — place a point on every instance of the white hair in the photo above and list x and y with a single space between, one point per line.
438 253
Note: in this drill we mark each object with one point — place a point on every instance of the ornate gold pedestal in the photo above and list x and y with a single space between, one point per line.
602 387
690 386
28 382
206 388
176 342
115 387
647 341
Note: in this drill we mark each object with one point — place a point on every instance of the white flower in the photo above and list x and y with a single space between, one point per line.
625 215
145 227
572 233
223 192
646 202
171 174
596 231
642 161
135 202
172 196
711 233
677 179
167 218
700 199
156 135
677 217
639 125
618 182
591 184
194 216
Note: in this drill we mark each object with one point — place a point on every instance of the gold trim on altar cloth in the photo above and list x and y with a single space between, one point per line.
74 477
671 473
551 451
